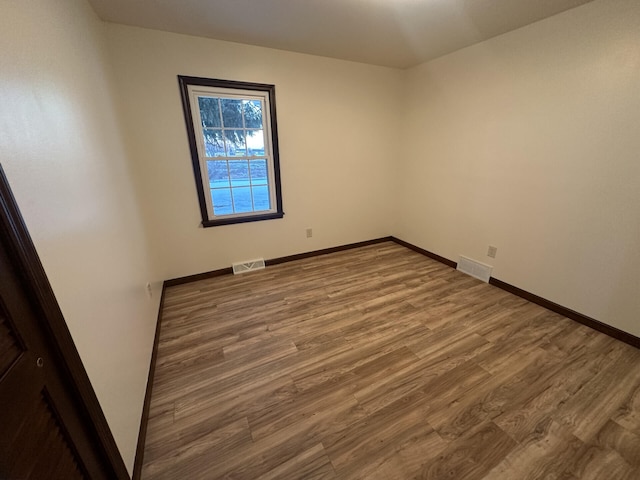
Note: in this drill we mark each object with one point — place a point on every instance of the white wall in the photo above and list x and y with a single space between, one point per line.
530 142
338 138
61 148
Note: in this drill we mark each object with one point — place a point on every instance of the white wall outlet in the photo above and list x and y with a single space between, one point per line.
309 232
149 290
491 252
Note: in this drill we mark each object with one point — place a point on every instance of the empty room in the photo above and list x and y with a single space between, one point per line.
357 239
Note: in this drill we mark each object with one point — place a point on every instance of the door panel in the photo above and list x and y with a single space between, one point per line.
45 451
35 443
10 348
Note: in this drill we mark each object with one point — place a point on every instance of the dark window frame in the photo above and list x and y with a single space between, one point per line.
277 212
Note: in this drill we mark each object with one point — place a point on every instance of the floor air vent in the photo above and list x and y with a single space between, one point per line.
242 267
475 269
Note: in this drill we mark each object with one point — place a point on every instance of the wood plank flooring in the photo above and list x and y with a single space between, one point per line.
380 363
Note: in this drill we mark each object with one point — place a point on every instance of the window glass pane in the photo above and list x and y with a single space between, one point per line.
255 142
261 197
242 199
259 172
218 173
252 113
231 113
239 170
221 198
213 144
235 143
209 111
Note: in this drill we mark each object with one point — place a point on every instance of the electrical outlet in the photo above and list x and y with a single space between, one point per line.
491 252
149 290
309 232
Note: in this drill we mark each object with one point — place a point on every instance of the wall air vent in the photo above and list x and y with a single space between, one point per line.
242 267
475 269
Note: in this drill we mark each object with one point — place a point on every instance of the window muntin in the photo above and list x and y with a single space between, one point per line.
233 142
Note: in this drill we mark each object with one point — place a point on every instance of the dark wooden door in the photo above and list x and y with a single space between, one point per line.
35 442
49 427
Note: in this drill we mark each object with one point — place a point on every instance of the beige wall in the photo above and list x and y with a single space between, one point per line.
338 139
61 148
530 142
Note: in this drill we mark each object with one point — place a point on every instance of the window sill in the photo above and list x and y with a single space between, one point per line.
245 219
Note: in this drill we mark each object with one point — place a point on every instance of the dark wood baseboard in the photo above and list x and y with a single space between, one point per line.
144 420
543 302
325 251
274 261
567 312
198 276
424 252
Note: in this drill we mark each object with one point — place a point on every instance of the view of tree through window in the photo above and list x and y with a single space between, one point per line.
234 141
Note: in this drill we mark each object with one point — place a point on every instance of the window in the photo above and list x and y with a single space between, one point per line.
234 149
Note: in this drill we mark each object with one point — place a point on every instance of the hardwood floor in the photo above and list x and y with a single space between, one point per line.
380 363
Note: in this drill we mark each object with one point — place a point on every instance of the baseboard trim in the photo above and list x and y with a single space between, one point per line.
275 261
543 302
144 420
198 276
567 312
424 252
325 251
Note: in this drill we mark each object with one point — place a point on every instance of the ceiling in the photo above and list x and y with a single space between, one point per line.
394 33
